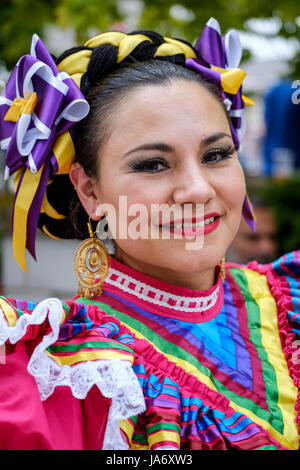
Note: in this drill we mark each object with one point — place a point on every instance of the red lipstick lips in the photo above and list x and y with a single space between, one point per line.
192 227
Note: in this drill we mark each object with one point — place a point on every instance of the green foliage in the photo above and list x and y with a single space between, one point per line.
84 15
284 197
22 18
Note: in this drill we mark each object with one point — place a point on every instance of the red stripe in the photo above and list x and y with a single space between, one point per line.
256 366
174 339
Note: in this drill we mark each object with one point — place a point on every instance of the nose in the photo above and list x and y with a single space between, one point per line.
192 185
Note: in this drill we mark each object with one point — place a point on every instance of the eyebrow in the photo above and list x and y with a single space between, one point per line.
161 147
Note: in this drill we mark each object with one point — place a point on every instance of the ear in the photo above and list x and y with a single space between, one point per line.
87 192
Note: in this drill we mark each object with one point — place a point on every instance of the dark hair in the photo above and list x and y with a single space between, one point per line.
105 92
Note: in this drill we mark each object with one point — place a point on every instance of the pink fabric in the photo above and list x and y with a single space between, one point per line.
61 422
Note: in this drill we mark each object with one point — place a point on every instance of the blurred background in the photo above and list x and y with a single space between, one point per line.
270 155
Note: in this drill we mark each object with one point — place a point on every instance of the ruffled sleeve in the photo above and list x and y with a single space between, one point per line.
283 276
56 347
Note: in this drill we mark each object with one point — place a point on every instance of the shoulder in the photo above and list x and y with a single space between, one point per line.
75 345
287 266
69 339
283 278
279 280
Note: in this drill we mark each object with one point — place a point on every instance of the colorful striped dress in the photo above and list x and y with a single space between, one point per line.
150 366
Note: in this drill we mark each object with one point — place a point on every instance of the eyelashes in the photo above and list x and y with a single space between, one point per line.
158 164
223 153
149 165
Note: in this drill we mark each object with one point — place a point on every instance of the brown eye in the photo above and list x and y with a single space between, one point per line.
218 155
148 165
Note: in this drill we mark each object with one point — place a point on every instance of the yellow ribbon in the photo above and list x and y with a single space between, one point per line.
248 101
63 149
21 106
231 79
23 202
173 46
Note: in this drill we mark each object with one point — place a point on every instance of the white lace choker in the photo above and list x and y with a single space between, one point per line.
144 291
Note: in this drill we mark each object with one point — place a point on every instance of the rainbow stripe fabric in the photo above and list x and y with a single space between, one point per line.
238 355
226 379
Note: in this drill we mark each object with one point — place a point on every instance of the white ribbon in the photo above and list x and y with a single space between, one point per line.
233 49
74 111
214 24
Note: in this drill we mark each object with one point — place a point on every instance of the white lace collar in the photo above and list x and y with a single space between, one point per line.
160 293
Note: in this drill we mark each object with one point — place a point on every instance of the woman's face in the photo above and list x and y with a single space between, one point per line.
171 145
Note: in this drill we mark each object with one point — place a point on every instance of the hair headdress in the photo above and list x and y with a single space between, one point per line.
43 100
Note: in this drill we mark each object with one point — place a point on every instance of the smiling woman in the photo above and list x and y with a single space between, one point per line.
165 346
191 161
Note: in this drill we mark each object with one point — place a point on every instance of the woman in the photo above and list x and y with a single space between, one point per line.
163 348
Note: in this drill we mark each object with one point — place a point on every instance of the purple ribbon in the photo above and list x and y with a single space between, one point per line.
29 141
213 50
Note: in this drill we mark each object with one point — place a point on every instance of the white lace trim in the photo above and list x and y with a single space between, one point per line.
162 298
114 378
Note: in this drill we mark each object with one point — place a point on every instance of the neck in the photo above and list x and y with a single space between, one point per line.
199 281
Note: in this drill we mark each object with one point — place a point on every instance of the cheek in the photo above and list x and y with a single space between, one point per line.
132 205
233 189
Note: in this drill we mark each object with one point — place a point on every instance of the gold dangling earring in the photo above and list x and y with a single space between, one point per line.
222 270
91 265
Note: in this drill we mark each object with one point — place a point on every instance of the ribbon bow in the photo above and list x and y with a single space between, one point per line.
39 106
218 61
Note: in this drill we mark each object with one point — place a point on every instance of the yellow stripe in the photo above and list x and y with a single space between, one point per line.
139 447
287 391
23 202
127 428
9 312
189 368
83 356
161 436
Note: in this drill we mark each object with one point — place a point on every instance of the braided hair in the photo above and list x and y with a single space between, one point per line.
105 69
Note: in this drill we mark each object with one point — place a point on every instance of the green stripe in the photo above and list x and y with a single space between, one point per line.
254 325
66 308
56 348
140 438
270 447
164 426
134 419
172 349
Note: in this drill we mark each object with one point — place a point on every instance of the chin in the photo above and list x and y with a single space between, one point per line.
189 262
